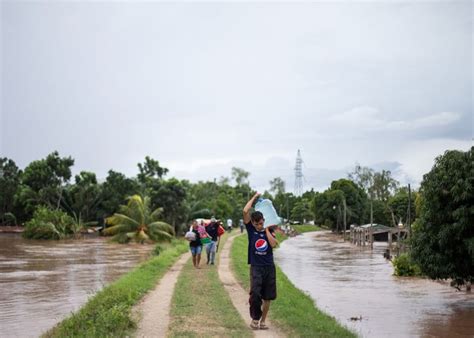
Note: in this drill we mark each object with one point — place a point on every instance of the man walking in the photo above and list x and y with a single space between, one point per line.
262 266
212 231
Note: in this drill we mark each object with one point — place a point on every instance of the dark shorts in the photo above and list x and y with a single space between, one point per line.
264 281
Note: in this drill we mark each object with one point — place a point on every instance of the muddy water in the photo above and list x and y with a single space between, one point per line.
347 281
41 282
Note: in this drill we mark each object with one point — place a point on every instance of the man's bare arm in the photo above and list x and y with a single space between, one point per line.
272 240
247 208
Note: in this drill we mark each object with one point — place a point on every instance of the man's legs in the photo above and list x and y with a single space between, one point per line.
265 308
208 251
198 256
268 293
213 252
255 294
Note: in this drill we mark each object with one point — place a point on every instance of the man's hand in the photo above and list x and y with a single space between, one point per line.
248 206
271 239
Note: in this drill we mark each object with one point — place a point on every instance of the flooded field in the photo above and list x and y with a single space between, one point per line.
43 281
348 282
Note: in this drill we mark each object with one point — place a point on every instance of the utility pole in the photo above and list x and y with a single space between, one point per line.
409 211
345 219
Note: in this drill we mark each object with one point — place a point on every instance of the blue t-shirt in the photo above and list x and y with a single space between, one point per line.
260 251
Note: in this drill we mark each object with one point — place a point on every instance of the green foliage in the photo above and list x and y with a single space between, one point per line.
378 185
83 198
136 221
170 195
443 239
157 250
108 313
301 228
277 186
328 206
398 204
150 170
301 212
49 224
115 190
42 182
240 175
404 266
9 183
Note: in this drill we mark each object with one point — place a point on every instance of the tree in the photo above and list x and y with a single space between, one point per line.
150 170
301 212
363 177
9 183
42 182
384 185
49 224
115 190
398 205
240 176
136 221
443 240
277 186
170 195
356 200
82 199
378 185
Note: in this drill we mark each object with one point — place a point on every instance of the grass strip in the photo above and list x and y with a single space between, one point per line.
108 313
293 310
301 228
201 307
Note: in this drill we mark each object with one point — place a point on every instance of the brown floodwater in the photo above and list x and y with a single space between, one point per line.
41 282
348 281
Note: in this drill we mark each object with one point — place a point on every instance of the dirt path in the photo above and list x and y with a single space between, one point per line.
238 295
154 309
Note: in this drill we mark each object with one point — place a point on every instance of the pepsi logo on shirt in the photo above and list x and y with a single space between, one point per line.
261 245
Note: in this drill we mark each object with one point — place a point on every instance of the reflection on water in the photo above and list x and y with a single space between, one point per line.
41 282
348 281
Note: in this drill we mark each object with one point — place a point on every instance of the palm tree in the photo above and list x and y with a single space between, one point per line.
135 221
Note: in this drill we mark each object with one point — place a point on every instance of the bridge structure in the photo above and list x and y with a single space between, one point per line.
365 235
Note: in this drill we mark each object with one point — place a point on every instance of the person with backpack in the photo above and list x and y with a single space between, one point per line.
211 248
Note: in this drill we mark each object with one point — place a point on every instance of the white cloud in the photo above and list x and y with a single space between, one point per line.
417 157
367 118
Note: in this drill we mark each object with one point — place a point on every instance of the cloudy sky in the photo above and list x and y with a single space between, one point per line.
203 87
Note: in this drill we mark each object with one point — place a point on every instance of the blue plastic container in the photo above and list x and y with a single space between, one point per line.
265 206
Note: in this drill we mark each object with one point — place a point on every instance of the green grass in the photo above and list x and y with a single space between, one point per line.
306 228
293 310
108 313
201 307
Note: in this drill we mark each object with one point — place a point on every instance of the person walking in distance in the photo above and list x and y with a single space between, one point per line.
196 246
212 231
262 266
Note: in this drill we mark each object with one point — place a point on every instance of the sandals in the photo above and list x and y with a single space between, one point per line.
255 325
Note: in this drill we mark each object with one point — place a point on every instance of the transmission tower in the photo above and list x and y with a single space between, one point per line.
298 175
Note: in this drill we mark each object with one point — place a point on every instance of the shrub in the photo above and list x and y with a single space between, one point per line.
48 224
404 266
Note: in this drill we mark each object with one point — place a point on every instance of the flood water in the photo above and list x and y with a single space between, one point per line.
41 282
348 281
